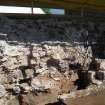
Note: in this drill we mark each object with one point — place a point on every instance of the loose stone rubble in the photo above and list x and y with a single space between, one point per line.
34 63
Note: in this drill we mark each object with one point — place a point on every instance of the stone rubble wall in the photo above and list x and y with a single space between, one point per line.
38 67
38 30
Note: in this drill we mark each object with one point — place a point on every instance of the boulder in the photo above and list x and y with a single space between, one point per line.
25 87
45 46
100 75
41 71
36 85
42 53
102 65
41 85
29 73
16 89
17 74
2 91
23 60
11 63
63 66
92 78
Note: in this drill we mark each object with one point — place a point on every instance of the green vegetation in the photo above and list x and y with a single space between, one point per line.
46 10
